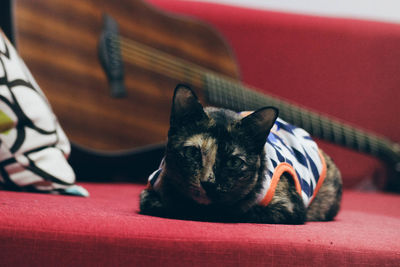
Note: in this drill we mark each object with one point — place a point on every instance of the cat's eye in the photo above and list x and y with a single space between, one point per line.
235 163
192 152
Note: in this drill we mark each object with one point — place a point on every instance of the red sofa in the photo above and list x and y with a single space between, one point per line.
342 67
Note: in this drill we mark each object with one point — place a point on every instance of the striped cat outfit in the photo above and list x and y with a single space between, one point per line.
291 150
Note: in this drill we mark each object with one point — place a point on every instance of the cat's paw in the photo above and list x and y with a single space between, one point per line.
150 203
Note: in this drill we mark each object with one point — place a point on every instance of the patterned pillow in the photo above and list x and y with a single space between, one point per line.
33 147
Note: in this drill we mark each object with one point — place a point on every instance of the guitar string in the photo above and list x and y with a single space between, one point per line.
373 142
315 120
162 66
342 134
179 68
357 141
171 61
179 71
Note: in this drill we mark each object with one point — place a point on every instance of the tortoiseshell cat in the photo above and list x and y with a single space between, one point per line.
220 165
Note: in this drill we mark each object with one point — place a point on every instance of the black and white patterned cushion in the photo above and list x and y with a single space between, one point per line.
33 147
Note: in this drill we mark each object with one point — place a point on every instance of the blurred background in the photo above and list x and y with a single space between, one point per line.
383 10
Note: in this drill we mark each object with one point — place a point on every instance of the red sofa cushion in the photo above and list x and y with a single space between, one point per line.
342 67
106 229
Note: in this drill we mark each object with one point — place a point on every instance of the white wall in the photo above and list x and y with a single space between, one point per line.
380 10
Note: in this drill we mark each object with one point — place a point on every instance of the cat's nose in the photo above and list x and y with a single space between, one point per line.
209 187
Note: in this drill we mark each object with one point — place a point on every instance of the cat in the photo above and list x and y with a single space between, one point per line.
219 166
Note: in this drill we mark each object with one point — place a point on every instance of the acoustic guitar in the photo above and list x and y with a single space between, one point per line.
109 67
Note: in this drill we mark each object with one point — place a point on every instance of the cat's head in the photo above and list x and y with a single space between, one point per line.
215 155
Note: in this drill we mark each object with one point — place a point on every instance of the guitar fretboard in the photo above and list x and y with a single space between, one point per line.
233 95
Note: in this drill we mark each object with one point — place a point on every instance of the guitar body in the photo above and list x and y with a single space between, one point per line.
58 40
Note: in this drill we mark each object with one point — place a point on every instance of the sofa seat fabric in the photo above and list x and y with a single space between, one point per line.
107 230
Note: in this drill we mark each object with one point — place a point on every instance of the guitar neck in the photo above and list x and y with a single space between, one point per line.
231 94
226 92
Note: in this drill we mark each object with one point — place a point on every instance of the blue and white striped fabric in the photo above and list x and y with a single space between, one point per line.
290 149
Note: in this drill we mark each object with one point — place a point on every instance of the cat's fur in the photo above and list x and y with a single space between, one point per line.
214 167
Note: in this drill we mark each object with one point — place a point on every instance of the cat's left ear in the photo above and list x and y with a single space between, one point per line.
258 124
186 106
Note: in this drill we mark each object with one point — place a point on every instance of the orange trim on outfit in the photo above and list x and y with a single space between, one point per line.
286 167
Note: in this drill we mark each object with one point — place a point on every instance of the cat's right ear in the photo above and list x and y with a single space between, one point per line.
258 124
186 106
